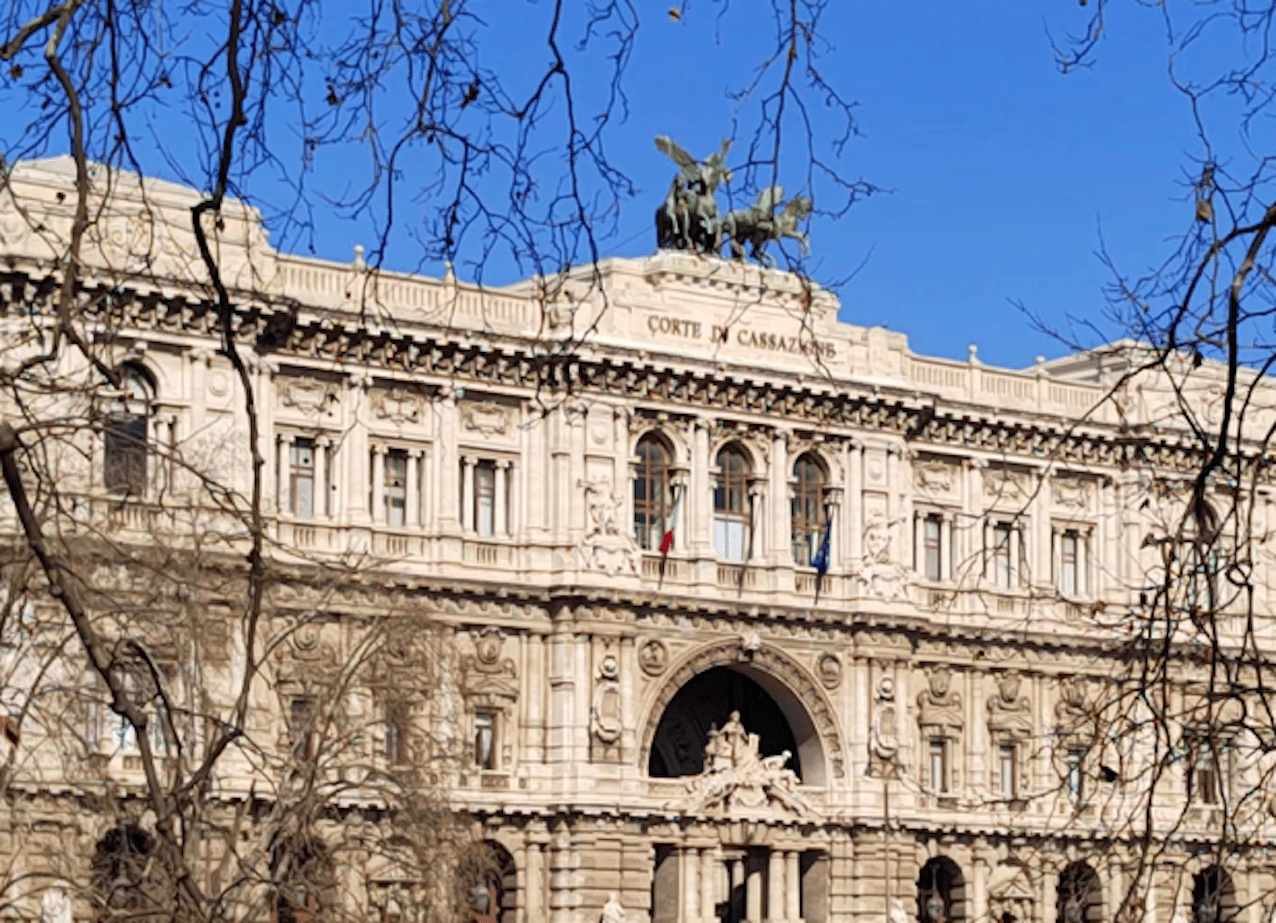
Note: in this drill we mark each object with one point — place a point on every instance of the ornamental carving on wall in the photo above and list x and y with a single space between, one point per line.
653 657
828 667
1009 713
939 705
935 477
487 418
605 713
1071 493
884 736
486 676
605 546
306 394
398 405
1003 486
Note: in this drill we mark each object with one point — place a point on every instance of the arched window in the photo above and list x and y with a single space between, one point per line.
304 880
731 519
941 892
1080 899
653 497
1213 897
808 515
126 434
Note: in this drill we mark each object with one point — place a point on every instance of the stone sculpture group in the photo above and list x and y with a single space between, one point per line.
688 219
736 776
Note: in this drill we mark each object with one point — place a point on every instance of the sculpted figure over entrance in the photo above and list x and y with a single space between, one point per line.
736 776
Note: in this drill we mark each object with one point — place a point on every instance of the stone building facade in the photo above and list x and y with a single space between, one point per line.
720 732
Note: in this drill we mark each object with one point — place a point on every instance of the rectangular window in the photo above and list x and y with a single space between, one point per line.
730 539
301 480
397 731
1007 771
1074 776
932 547
485 499
125 454
1206 780
937 754
1069 563
1003 533
301 719
485 739
396 488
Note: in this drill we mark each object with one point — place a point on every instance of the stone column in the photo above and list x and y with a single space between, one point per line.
284 474
753 889
758 529
775 875
781 533
708 884
691 884
377 460
467 493
735 879
500 522
793 886
698 514
855 477
979 891
534 884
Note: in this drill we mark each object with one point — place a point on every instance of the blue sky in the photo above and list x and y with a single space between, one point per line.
1003 175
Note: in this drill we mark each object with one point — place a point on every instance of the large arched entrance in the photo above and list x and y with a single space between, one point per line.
777 699
705 705
741 732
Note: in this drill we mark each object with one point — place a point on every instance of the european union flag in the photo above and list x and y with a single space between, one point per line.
821 560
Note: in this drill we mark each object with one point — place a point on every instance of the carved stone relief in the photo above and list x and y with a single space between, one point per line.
1010 892
488 678
606 715
884 736
880 576
939 705
653 657
605 546
1071 493
398 405
1002 486
1009 713
487 418
736 778
936 478
307 395
828 667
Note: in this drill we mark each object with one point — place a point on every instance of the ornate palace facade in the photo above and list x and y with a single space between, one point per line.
723 732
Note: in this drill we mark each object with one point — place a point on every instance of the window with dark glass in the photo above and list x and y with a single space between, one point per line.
1074 777
653 498
126 435
1206 777
937 757
731 505
301 478
485 739
1069 562
807 510
301 719
397 728
396 487
485 498
1007 770
932 546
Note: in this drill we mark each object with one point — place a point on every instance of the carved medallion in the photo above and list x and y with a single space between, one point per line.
653 657
398 405
829 668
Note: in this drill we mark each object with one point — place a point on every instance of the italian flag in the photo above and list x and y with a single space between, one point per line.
667 542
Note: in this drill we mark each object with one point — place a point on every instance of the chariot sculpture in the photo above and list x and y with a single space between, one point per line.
688 218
